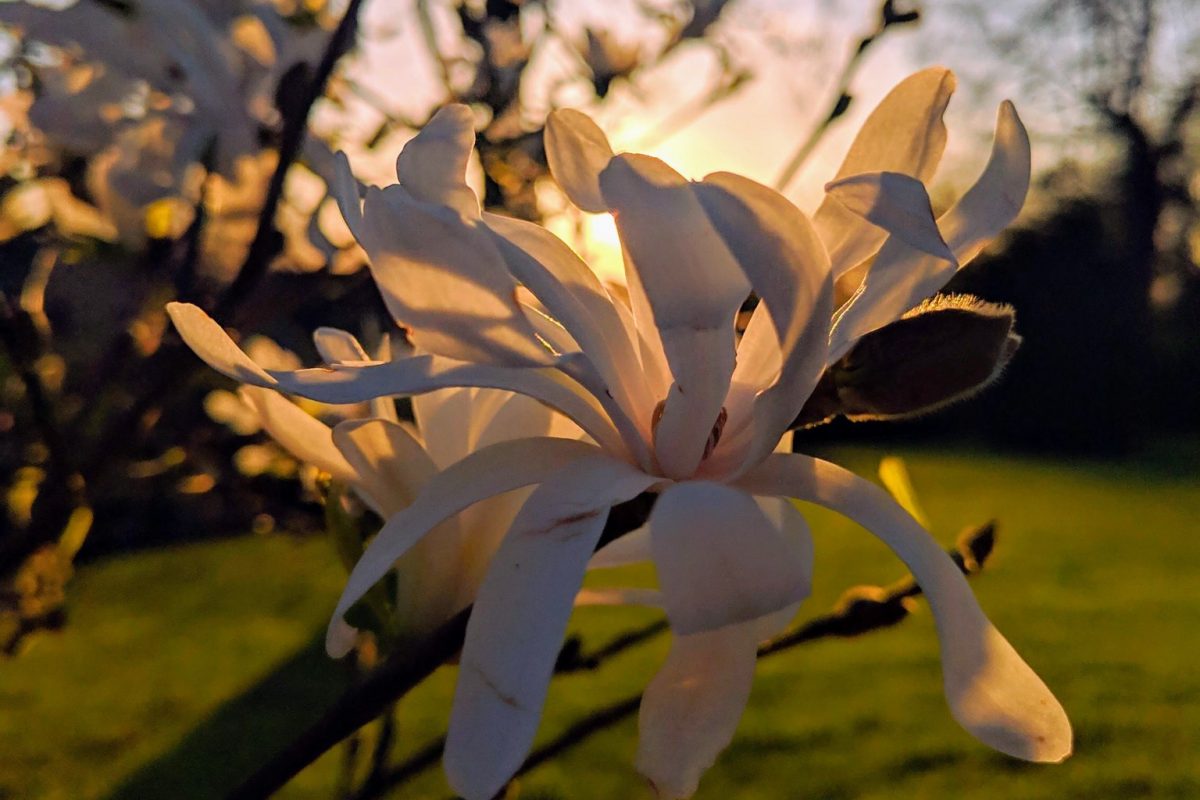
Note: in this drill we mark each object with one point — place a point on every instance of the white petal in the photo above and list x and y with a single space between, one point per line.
305 437
573 295
720 560
896 203
781 253
577 151
517 625
694 288
992 692
337 346
902 276
415 375
514 417
444 422
432 167
391 465
345 190
692 706
485 473
904 134
632 548
443 279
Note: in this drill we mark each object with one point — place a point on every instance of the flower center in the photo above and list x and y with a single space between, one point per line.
714 435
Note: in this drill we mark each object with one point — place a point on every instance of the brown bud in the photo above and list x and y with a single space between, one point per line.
945 350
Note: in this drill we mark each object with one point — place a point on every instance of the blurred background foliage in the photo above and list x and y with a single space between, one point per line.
171 149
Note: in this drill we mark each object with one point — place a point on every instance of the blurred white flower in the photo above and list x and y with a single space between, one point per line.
672 404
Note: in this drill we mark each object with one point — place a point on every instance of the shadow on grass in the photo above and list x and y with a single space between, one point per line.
243 732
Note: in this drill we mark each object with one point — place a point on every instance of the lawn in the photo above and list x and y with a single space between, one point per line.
181 668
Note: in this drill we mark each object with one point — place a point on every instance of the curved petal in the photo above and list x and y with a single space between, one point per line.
432 167
720 560
391 465
517 625
485 473
895 203
902 276
347 192
415 375
694 288
295 430
904 134
443 279
692 706
573 295
338 346
577 151
992 692
781 253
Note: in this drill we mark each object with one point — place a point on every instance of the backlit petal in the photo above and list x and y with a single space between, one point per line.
520 617
897 204
693 286
485 473
902 276
992 692
904 134
306 438
432 167
577 151
720 560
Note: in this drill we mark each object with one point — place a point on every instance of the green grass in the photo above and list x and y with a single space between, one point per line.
181 668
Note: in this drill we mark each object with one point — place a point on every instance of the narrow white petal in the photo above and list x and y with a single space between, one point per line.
485 473
902 276
442 278
391 465
432 167
577 151
337 346
415 375
444 420
782 352
720 560
306 438
345 191
693 286
905 133
992 692
897 204
517 625
692 706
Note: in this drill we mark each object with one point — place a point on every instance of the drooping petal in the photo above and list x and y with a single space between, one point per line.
895 203
782 352
442 278
577 151
692 706
902 276
904 134
520 616
992 692
485 473
415 375
432 167
305 437
394 468
694 288
720 560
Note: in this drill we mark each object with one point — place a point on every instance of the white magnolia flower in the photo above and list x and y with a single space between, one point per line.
387 463
672 404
